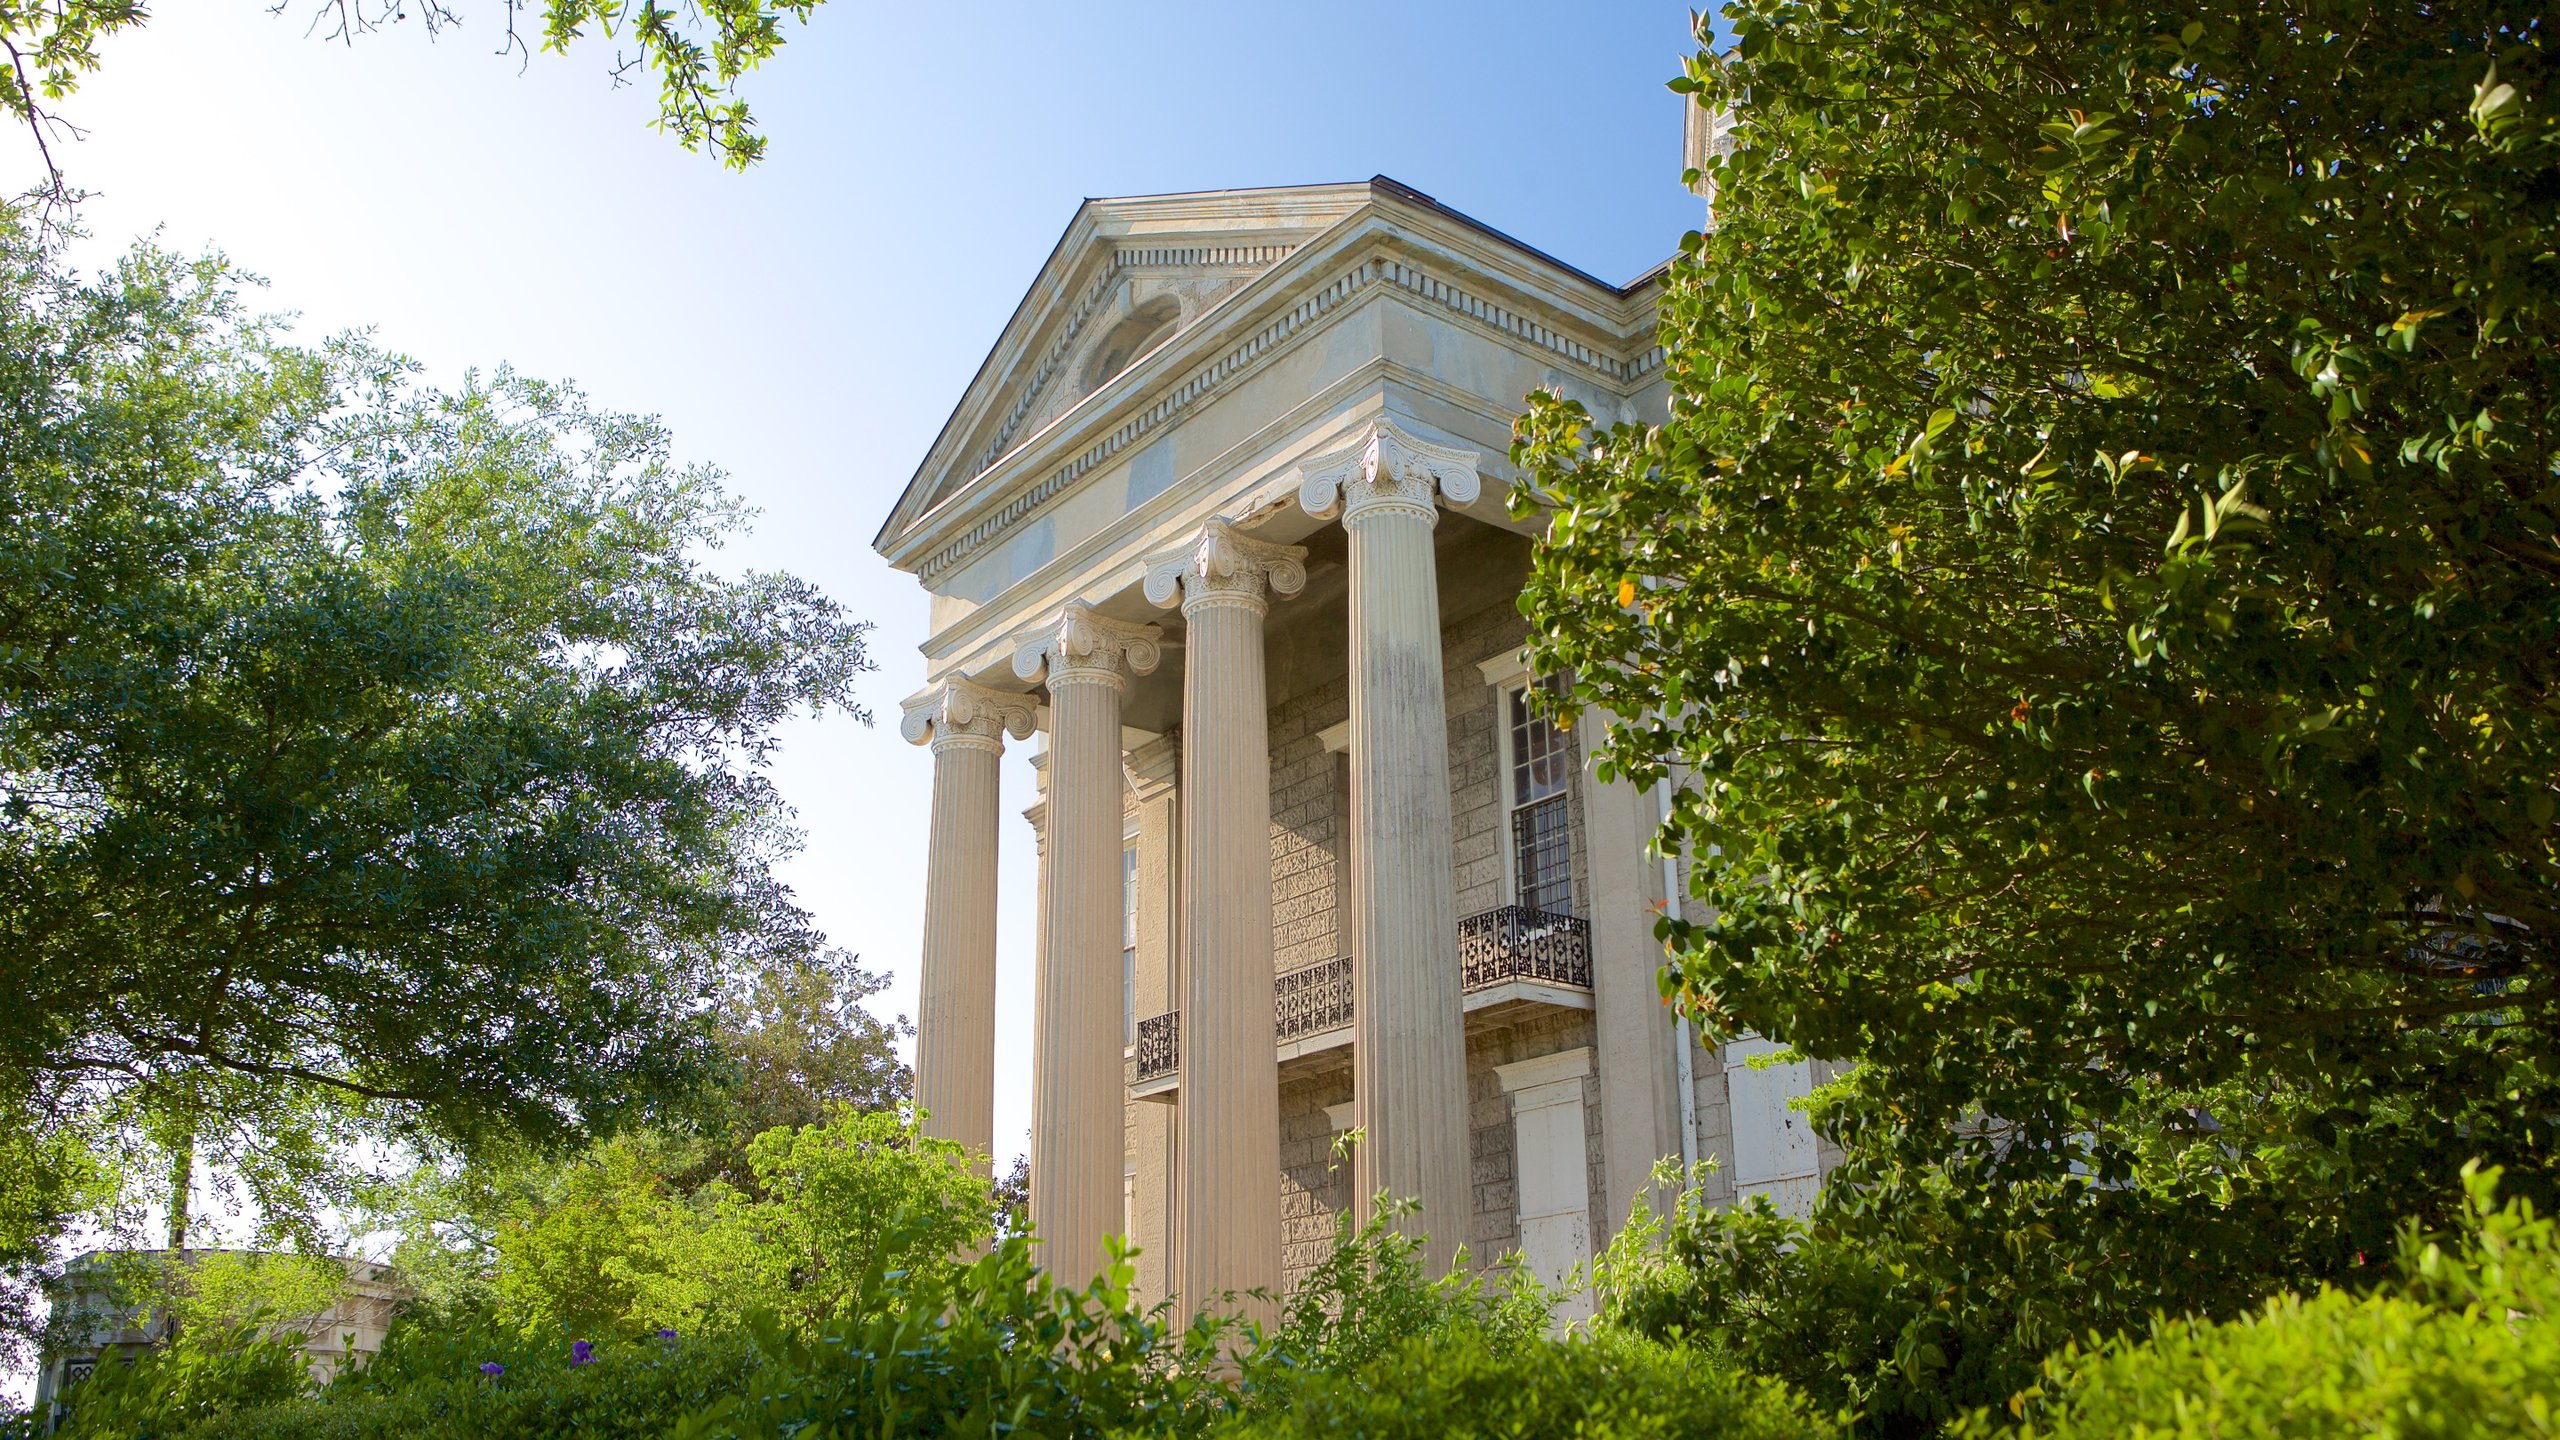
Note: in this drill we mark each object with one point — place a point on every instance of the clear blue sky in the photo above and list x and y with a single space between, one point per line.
808 326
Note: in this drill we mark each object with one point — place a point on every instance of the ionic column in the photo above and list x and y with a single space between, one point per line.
1230 1107
1077 1121
956 977
1409 1049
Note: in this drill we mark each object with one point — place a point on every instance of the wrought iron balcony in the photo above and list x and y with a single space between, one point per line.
1511 945
1515 943
1159 1045
1313 999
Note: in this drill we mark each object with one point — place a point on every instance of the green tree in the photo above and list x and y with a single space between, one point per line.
613 1246
697 52
2099 588
800 1046
374 760
860 1196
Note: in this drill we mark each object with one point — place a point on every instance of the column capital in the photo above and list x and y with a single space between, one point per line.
1219 565
962 713
1084 646
1388 471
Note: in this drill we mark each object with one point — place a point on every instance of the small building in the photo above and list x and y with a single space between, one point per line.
1221 520
94 1321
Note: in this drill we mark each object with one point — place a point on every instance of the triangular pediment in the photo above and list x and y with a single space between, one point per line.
1127 276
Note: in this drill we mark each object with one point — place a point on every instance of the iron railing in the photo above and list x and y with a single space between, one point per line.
1159 1045
1314 999
1494 948
1517 943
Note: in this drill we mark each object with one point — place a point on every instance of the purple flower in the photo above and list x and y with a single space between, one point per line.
582 1352
492 1369
666 1334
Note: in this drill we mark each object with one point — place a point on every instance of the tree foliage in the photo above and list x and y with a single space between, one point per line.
2460 1343
375 760
697 52
2099 587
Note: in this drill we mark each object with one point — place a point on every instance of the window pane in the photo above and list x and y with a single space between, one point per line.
1542 855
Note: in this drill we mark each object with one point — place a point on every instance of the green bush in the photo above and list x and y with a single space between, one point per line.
1858 1322
428 1385
996 1347
1369 1296
211 1372
2462 1346
1461 1381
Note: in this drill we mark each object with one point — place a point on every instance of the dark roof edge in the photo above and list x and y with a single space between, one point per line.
1019 308
1411 196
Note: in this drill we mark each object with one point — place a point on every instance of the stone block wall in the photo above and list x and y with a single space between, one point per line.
1309 883
1494 1229
1314 1192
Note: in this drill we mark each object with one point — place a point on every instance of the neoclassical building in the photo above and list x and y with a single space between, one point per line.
1221 522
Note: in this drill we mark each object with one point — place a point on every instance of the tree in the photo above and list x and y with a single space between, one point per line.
2099 587
800 1047
614 1247
374 760
698 53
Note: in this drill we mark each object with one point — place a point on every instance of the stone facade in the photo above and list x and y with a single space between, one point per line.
1196 389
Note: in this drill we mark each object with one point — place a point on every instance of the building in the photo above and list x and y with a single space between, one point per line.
1222 518
93 1319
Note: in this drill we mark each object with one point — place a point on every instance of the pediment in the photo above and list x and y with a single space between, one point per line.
1127 276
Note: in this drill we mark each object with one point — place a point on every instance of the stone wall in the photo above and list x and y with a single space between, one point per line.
1309 883
1314 1192
1494 1229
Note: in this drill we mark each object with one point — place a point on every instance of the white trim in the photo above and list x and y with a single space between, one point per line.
1506 796
1338 1116
1336 739
1544 1069
1507 669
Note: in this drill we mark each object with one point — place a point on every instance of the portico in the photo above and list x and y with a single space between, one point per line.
1223 519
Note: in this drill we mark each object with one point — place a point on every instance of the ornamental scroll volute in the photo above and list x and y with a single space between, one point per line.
1083 644
1219 562
1388 470
957 709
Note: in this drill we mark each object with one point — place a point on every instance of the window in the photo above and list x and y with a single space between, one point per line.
1541 827
1129 945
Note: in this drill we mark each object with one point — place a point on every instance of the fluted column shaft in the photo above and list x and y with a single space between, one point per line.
1230 1107
956 977
1077 1144
1409 1056
955 1004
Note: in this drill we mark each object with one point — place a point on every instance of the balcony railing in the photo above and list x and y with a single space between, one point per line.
1517 943
1159 1045
1498 947
1314 999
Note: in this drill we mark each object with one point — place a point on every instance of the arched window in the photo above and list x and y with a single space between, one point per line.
1139 332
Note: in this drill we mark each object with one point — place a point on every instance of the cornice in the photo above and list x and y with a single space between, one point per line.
1118 262
1407 275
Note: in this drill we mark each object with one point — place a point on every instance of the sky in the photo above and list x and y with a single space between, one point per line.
808 325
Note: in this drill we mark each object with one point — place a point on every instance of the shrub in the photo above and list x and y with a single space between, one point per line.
1369 1296
993 1347
213 1370
430 1385
2462 1346
1461 1380
1860 1326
